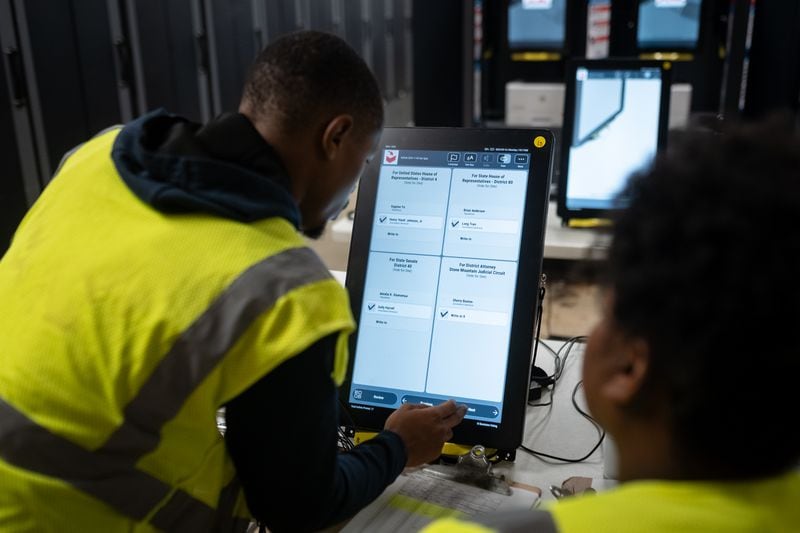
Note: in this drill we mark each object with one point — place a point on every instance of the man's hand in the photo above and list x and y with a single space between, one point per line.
424 430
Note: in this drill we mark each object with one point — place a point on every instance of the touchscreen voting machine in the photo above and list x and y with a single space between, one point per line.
615 120
443 275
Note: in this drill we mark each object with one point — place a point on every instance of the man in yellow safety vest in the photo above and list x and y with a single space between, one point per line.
161 275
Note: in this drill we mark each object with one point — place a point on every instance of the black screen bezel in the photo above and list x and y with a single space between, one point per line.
509 435
569 122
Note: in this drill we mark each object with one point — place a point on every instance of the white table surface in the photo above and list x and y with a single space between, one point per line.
558 430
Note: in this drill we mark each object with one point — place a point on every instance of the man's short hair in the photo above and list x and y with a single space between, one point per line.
704 266
309 75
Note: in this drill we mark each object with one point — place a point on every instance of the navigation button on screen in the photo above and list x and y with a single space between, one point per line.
473 409
366 395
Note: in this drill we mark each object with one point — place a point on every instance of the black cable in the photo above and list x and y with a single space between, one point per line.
567 348
539 312
539 404
583 414
344 442
549 404
547 347
559 365
559 362
556 360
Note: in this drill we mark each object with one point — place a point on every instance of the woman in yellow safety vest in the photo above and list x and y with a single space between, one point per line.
692 368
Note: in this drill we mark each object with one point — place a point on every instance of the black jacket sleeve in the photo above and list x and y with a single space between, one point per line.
282 436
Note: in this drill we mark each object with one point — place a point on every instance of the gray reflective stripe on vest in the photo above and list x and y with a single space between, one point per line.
109 473
27 445
204 344
74 149
181 514
521 521
112 480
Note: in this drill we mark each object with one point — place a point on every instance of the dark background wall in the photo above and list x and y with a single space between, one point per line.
70 68
774 73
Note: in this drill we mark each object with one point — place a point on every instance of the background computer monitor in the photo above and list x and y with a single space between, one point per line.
536 24
668 25
443 273
615 119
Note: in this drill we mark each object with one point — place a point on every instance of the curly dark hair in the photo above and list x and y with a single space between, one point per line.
704 266
308 74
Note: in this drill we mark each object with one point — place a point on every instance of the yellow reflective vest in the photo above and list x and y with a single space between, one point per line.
663 507
686 506
122 331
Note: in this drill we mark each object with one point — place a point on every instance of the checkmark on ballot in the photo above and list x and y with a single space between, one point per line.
370 306
382 219
443 313
454 223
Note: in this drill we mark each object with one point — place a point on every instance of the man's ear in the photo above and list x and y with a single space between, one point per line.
628 370
338 128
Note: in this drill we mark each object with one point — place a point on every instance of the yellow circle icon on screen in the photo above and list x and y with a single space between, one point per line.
539 141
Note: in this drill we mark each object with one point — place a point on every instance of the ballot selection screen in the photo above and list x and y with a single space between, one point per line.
440 280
